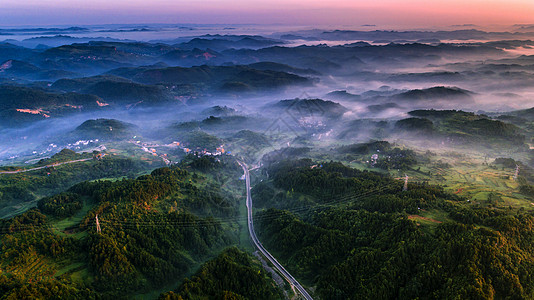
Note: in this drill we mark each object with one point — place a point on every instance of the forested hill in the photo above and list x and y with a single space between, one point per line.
385 243
21 190
232 275
154 230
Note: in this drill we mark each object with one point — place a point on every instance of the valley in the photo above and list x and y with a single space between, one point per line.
315 164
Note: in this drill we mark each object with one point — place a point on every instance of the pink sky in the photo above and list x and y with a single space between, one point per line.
294 12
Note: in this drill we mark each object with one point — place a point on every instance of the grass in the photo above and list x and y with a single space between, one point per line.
11 211
435 214
480 182
81 275
69 268
429 219
60 225
112 179
473 178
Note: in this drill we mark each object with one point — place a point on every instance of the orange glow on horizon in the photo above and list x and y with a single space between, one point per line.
409 12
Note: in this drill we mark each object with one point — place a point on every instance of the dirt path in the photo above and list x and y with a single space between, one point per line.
414 217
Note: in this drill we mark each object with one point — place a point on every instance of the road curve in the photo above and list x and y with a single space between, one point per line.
260 247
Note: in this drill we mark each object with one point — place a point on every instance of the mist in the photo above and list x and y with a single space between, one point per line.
292 86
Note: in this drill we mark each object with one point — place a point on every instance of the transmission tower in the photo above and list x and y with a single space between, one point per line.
304 95
97 224
516 174
405 188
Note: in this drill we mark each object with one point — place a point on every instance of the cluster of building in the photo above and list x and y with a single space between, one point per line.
374 160
204 152
218 151
82 143
151 148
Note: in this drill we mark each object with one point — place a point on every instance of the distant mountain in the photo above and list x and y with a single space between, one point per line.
300 108
445 77
78 84
343 95
17 68
354 60
21 69
466 34
19 105
87 66
215 78
219 111
442 114
196 139
525 113
44 29
130 72
518 117
89 51
104 129
319 58
9 51
383 91
228 37
460 127
220 44
436 93
266 65
115 89
235 37
382 107
192 57
136 48
59 40
213 124
252 138
87 58
418 125
226 123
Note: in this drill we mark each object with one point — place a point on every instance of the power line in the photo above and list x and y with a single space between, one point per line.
208 221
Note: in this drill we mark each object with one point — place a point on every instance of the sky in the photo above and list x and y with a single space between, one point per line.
409 13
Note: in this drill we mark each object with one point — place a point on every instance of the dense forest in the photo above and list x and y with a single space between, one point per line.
460 127
382 163
153 230
383 154
350 234
372 245
232 275
27 187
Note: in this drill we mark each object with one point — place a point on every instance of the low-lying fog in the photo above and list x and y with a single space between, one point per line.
382 81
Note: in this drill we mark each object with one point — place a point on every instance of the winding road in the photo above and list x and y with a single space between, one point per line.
294 283
47 166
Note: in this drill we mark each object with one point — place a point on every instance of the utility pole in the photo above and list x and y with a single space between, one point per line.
97 224
405 188
516 172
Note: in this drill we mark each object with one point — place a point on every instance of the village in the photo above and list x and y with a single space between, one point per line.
152 149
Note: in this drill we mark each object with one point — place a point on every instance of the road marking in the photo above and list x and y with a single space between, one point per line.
292 281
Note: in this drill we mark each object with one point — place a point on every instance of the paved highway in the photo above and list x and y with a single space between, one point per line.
260 247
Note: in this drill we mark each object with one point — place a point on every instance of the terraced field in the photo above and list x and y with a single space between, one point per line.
32 266
478 181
